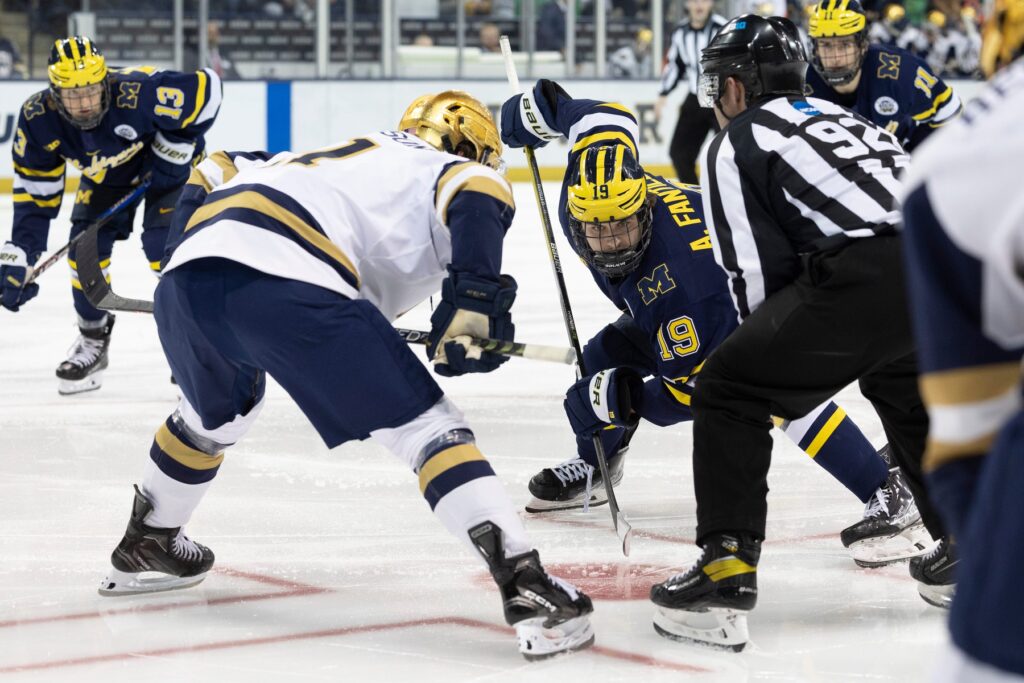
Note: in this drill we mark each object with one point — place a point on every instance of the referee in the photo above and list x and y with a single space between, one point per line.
800 199
690 37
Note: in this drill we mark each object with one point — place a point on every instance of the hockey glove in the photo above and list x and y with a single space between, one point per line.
13 272
609 397
528 120
170 164
470 307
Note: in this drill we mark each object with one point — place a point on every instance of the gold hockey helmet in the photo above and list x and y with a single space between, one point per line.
454 121
78 81
1003 36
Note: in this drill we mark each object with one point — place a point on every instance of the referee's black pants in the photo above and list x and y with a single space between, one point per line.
692 128
844 319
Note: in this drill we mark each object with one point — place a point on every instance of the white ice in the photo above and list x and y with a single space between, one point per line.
329 563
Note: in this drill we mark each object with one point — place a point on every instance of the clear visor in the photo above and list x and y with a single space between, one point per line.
494 161
707 90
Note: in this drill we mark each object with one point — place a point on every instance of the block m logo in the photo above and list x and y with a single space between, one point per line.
658 282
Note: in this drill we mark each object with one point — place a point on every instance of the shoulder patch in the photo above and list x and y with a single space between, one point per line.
806 108
886 106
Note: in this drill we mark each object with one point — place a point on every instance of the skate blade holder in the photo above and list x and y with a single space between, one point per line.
885 550
537 642
70 387
118 583
717 628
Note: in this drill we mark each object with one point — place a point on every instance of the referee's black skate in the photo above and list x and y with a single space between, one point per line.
936 573
708 603
575 483
178 561
550 615
891 529
87 359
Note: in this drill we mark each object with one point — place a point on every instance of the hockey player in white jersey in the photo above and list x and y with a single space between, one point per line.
294 267
964 236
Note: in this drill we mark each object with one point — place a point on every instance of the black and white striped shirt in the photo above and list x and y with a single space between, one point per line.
791 176
683 59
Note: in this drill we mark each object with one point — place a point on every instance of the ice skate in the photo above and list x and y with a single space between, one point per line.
575 483
171 558
550 615
708 604
935 573
891 529
87 359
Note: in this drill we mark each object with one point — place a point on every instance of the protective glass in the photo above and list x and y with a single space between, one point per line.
707 90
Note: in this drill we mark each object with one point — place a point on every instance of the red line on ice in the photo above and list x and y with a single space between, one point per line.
331 633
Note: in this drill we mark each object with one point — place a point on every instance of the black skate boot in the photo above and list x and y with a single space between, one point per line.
936 573
708 604
549 614
87 359
181 561
891 529
575 483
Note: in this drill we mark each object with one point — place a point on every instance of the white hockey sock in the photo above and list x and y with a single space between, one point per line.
173 501
482 500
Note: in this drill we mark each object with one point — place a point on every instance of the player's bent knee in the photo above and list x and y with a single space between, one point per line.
411 441
214 439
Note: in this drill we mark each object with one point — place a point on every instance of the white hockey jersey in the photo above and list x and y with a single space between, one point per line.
367 219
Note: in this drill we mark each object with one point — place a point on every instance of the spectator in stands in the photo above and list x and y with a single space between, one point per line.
633 60
490 36
11 66
298 9
551 26
423 40
496 9
216 58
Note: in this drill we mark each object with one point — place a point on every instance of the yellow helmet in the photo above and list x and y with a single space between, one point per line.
608 185
894 12
837 19
937 18
454 121
644 37
76 63
1003 36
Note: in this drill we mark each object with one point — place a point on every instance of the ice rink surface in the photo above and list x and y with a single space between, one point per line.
330 565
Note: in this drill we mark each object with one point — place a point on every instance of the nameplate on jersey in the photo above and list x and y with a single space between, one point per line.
655 284
676 201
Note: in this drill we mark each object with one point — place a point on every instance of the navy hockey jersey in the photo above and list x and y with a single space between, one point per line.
152 115
897 91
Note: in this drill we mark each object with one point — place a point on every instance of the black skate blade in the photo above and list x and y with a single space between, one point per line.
699 643
552 655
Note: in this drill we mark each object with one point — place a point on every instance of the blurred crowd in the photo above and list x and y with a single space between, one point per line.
946 33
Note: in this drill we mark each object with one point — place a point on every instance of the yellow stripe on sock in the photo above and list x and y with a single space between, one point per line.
446 460
826 432
183 453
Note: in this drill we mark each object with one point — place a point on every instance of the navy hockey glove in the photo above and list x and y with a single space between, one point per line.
471 307
609 397
528 120
170 163
13 271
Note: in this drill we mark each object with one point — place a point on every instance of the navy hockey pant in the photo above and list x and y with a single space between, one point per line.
843 319
223 325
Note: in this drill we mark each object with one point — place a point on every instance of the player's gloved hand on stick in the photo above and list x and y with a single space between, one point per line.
471 306
13 272
528 120
608 397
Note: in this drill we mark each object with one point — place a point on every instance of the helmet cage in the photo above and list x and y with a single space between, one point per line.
614 264
57 94
840 75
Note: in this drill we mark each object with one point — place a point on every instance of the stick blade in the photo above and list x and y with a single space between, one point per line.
625 532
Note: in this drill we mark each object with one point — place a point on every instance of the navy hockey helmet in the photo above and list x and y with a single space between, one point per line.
764 53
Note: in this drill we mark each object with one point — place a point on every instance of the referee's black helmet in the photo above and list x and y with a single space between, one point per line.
764 53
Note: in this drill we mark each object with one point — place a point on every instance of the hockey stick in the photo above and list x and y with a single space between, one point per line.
94 283
100 221
622 526
551 354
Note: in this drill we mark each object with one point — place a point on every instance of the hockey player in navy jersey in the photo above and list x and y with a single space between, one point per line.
964 236
645 242
116 126
886 85
294 267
